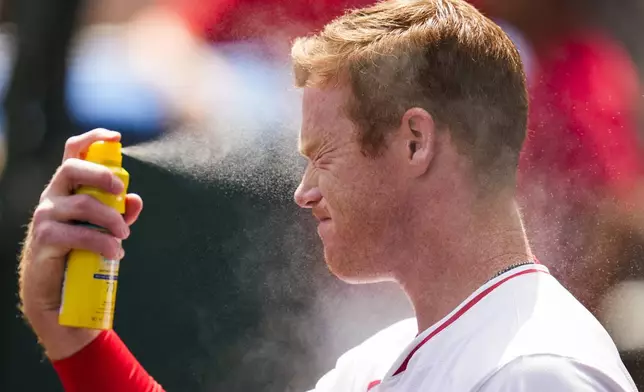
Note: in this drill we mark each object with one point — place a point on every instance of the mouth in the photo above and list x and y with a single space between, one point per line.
324 222
324 225
321 216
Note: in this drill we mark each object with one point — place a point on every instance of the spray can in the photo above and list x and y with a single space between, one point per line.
89 288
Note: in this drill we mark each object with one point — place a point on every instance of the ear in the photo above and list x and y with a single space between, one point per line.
418 133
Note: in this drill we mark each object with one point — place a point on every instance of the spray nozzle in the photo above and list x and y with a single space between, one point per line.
105 153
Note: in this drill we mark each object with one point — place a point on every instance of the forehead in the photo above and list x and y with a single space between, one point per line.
324 116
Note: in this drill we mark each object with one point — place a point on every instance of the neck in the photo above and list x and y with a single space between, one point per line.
474 244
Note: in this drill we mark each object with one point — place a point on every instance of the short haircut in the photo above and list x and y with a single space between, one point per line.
440 55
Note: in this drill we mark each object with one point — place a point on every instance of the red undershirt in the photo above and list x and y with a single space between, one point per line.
104 365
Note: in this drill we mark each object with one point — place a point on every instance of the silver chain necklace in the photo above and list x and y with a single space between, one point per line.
511 267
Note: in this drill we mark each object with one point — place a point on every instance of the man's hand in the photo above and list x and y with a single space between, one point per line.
52 235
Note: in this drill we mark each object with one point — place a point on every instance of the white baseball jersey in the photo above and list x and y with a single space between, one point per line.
520 332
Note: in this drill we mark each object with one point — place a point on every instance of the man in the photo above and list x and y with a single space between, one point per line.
414 113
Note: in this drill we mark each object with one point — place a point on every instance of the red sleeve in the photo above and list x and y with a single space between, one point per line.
104 365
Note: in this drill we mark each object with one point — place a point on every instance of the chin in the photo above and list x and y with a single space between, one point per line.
352 269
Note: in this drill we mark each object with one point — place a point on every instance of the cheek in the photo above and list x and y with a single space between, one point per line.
357 197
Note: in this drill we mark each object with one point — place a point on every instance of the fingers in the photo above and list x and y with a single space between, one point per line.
65 237
76 172
83 208
77 146
133 207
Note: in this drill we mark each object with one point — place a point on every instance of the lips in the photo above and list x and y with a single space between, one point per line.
324 227
321 216
324 221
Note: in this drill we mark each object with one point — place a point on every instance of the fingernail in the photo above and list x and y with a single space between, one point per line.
125 232
111 133
120 252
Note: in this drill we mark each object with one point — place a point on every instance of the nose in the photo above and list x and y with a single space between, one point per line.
307 196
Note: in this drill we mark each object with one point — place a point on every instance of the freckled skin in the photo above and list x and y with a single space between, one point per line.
413 214
361 194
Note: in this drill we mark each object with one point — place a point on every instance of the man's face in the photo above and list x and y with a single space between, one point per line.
355 197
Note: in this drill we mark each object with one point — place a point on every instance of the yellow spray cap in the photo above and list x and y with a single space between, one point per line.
108 154
105 153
